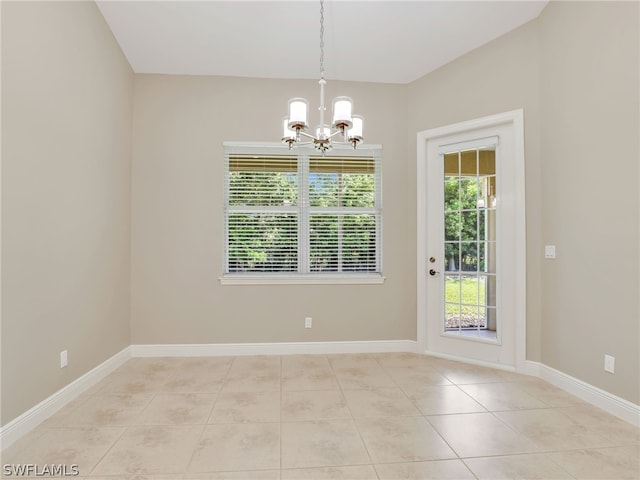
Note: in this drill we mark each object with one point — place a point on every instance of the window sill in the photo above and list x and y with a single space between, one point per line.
308 279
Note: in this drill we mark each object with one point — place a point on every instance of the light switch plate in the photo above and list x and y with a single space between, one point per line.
609 363
549 251
63 359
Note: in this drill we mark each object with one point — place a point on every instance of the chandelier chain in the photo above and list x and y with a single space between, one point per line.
321 38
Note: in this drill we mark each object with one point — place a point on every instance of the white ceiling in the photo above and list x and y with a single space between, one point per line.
373 41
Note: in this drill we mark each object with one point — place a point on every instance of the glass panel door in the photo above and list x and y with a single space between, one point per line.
470 226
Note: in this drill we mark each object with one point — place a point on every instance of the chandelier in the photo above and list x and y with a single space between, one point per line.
345 128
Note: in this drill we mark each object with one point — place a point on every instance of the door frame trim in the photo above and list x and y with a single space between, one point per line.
514 120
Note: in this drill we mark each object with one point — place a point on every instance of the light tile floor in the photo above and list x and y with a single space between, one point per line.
377 416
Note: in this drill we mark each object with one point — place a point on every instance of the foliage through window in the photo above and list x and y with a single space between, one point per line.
294 213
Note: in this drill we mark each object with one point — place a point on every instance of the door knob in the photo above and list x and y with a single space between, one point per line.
433 273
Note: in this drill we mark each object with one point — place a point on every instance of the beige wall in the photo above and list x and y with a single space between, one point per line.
574 71
590 150
177 209
66 142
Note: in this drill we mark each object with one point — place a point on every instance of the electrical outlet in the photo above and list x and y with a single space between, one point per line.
63 359
609 364
308 321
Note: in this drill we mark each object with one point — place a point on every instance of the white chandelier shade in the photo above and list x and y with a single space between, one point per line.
356 130
342 111
298 113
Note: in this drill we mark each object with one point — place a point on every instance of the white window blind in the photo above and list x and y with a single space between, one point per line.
302 213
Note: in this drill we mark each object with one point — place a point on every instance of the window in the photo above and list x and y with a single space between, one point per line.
297 215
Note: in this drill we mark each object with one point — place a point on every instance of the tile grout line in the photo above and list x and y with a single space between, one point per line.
353 418
124 430
126 427
204 427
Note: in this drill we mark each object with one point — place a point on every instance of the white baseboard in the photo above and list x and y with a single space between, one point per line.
533 369
621 408
471 361
21 425
291 348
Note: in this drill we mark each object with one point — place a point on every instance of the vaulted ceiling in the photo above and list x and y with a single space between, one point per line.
373 41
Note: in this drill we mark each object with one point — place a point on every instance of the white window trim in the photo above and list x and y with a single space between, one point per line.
303 278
